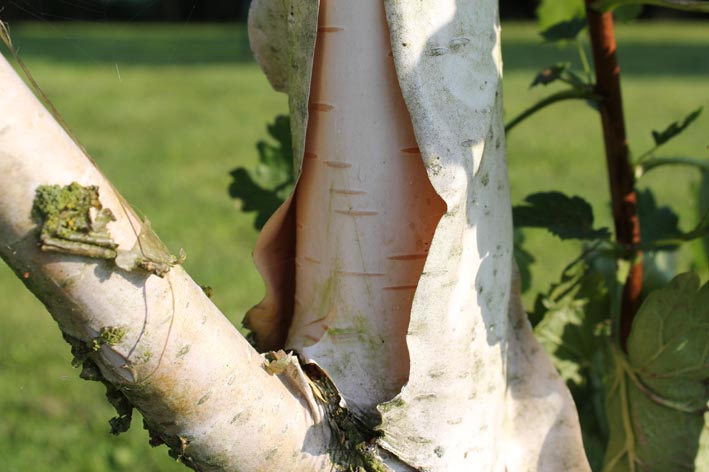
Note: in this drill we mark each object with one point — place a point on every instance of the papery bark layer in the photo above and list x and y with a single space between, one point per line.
481 393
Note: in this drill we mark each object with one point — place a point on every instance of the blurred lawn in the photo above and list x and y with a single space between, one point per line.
167 111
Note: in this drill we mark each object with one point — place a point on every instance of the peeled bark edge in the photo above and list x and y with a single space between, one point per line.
447 57
275 248
268 37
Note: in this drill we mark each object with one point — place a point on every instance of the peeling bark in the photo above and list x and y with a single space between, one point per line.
478 393
481 394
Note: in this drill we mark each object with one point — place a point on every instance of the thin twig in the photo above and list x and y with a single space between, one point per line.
571 94
647 165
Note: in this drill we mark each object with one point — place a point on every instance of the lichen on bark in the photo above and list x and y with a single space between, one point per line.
73 221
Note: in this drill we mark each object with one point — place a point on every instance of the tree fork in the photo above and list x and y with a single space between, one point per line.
481 392
620 173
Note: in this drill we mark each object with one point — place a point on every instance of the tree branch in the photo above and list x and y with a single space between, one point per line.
200 386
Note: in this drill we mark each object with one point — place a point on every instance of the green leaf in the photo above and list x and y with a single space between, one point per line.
564 30
572 328
565 217
551 12
253 197
658 392
550 74
560 71
574 332
659 228
265 188
657 223
661 137
671 329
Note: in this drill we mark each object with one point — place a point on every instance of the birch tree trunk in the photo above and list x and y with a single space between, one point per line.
414 352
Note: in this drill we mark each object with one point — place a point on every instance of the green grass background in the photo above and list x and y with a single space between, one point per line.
168 111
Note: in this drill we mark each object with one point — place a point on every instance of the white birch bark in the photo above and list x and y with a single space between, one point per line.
481 394
200 386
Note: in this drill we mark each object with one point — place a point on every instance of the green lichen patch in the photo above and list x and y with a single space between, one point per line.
109 335
184 350
395 404
144 357
73 221
112 335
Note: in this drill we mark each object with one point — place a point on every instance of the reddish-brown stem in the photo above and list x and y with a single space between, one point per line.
620 174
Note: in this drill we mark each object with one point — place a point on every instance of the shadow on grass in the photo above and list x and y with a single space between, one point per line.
166 44
154 45
640 58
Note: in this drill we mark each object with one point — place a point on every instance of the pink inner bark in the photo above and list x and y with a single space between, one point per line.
365 208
